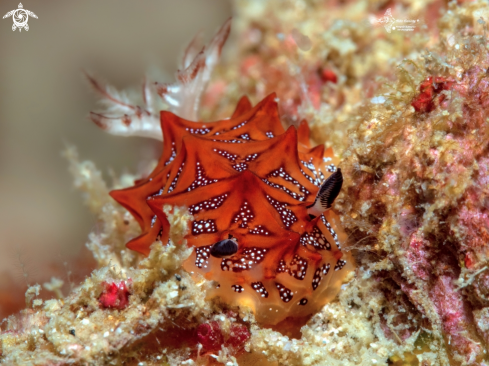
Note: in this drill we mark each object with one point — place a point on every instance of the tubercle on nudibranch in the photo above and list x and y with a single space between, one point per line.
249 179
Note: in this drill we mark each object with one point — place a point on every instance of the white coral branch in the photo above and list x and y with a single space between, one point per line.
125 115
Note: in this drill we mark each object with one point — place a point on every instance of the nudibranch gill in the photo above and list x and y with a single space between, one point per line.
260 198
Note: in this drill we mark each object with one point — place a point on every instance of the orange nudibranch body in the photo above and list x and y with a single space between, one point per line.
248 180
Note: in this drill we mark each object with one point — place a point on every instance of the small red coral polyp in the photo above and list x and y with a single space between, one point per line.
429 98
115 296
210 336
238 335
328 75
249 179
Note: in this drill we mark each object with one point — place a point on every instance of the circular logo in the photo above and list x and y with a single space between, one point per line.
20 18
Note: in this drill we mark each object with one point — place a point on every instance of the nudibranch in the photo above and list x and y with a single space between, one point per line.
260 198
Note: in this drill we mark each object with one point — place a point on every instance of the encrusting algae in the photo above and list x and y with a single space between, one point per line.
406 112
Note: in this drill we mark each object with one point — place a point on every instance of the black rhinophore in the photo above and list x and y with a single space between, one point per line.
329 190
224 248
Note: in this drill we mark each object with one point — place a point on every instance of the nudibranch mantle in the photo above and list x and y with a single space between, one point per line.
248 180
